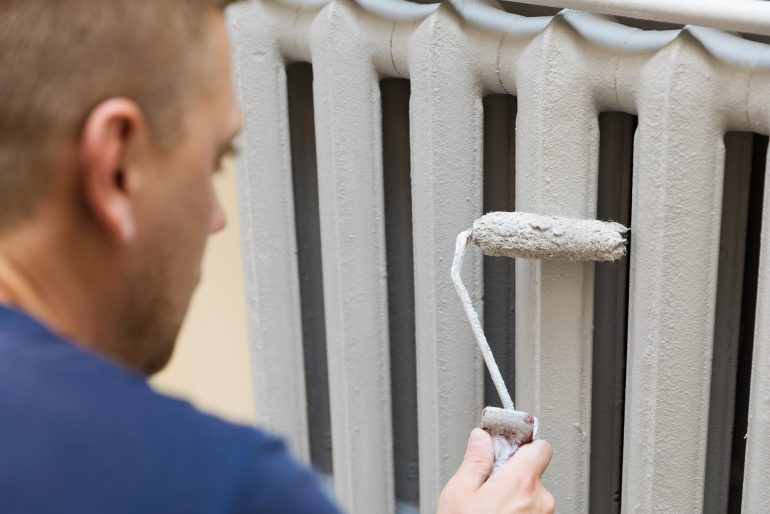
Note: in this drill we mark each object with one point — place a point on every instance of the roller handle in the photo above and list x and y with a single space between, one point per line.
510 430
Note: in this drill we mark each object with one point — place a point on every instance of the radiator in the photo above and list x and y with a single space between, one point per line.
376 131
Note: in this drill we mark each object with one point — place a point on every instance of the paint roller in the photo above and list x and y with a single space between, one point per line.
527 236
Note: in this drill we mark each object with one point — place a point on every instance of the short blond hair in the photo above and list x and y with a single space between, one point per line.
61 58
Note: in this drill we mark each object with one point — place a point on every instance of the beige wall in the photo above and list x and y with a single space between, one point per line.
210 367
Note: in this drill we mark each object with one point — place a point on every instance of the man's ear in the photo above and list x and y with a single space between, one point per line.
109 135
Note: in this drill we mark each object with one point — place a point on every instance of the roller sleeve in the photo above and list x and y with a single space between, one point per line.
534 236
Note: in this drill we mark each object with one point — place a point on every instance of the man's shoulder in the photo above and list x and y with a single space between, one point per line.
88 432
47 381
47 376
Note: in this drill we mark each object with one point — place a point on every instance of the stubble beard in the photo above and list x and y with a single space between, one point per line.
151 319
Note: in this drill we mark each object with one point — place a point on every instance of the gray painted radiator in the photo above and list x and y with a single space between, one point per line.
376 131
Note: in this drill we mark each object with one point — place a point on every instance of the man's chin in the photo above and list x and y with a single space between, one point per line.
160 361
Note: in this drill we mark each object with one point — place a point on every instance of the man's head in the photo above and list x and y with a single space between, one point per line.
113 116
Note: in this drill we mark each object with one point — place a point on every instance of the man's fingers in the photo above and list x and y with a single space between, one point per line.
534 456
477 462
530 460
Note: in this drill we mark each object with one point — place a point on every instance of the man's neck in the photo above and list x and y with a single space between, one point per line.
48 288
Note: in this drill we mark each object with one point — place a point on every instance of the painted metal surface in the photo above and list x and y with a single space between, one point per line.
752 16
728 315
557 174
756 494
446 194
688 88
265 193
616 135
351 195
676 213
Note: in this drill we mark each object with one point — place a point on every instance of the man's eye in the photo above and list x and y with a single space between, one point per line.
231 152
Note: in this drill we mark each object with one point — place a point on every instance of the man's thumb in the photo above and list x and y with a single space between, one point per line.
477 463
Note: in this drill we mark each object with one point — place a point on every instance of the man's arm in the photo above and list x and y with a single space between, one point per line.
514 489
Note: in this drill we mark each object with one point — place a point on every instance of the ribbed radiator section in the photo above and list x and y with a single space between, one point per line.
666 100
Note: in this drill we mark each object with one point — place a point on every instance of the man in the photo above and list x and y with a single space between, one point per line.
113 117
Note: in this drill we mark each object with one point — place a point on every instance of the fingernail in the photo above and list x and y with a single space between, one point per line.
477 436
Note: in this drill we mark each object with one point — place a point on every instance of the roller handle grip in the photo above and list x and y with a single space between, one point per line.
510 430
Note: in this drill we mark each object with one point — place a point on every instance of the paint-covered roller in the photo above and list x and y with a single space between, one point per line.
532 236
528 236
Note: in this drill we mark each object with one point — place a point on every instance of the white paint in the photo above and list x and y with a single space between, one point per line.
350 183
689 87
676 213
534 236
557 163
473 318
446 196
265 193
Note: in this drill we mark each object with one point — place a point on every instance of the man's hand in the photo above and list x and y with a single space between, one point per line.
515 488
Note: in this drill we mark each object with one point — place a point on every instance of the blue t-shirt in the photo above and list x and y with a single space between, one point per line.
79 434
